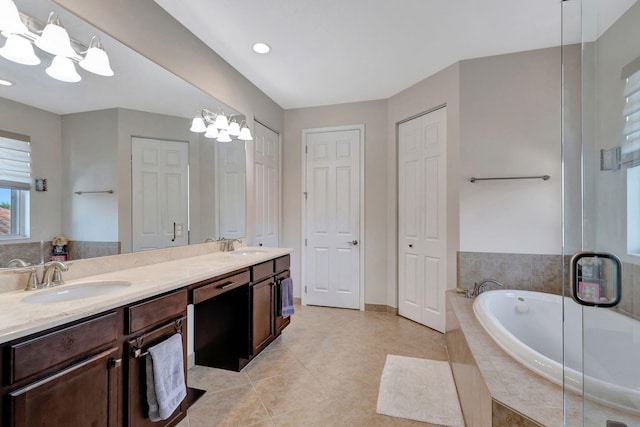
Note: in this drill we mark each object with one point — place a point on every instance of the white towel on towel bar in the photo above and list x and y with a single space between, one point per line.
166 388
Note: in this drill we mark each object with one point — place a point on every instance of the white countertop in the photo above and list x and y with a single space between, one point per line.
19 319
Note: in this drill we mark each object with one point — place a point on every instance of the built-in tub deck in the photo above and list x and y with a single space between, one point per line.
496 390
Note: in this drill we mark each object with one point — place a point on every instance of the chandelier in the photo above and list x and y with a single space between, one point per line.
217 126
22 32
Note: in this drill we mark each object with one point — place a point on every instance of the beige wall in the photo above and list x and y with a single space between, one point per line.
159 37
90 163
606 217
166 42
373 115
45 131
510 116
440 89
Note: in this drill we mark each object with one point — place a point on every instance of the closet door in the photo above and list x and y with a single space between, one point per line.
267 186
422 261
160 193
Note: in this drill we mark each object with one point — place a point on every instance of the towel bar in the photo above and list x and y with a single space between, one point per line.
542 177
137 352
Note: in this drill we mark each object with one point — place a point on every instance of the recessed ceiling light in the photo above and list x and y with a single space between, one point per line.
5 83
261 47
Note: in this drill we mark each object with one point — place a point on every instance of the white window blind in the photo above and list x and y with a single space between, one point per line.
15 163
631 133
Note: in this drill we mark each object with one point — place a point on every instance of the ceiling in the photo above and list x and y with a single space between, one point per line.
138 84
337 51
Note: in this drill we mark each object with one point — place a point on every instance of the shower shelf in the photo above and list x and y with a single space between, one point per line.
542 177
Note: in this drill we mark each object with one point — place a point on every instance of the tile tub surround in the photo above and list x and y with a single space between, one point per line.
18 319
532 272
630 302
29 252
542 273
493 386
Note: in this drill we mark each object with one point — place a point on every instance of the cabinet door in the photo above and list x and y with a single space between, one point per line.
138 410
262 315
85 394
281 322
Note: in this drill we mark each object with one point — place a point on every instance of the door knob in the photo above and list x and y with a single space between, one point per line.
411 245
353 242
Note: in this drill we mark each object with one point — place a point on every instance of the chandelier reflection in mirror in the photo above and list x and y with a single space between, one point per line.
217 126
22 32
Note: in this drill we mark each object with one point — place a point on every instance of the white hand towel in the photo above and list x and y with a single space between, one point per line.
166 388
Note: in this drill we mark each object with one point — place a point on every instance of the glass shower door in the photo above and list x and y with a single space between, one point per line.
601 209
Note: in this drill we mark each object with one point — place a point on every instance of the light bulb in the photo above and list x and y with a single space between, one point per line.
221 121
55 39
62 69
96 60
20 50
212 132
10 21
234 127
245 133
223 136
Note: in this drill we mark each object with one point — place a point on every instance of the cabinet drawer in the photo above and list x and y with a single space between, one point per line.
34 356
218 287
150 312
283 263
84 394
260 271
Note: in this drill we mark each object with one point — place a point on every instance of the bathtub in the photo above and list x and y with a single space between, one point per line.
528 326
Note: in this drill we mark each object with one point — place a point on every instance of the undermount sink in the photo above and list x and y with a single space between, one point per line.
74 292
248 252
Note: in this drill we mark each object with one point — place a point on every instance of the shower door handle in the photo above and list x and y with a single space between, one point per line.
596 279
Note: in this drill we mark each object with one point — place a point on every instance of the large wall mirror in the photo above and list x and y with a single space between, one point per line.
93 141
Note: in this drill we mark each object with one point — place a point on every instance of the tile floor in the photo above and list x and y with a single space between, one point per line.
324 370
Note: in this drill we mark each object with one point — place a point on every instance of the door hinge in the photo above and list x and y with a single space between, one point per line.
306 149
305 289
305 195
305 242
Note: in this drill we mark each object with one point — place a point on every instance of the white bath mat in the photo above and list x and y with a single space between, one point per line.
419 389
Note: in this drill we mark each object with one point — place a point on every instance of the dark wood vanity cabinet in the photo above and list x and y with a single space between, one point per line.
148 323
266 323
66 376
262 313
91 372
221 321
85 394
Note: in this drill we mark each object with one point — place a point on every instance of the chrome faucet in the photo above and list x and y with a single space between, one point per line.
227 244
52 275
20 266
17 263
478 287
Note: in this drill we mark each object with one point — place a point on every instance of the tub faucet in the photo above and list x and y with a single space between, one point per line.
478 287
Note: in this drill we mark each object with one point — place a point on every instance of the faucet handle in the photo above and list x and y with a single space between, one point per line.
32 282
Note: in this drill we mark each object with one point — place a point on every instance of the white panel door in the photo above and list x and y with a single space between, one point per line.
332 219
267 186
231 196
422 222
160 193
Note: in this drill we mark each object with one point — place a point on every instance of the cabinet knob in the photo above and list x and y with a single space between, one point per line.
114 363
411 245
